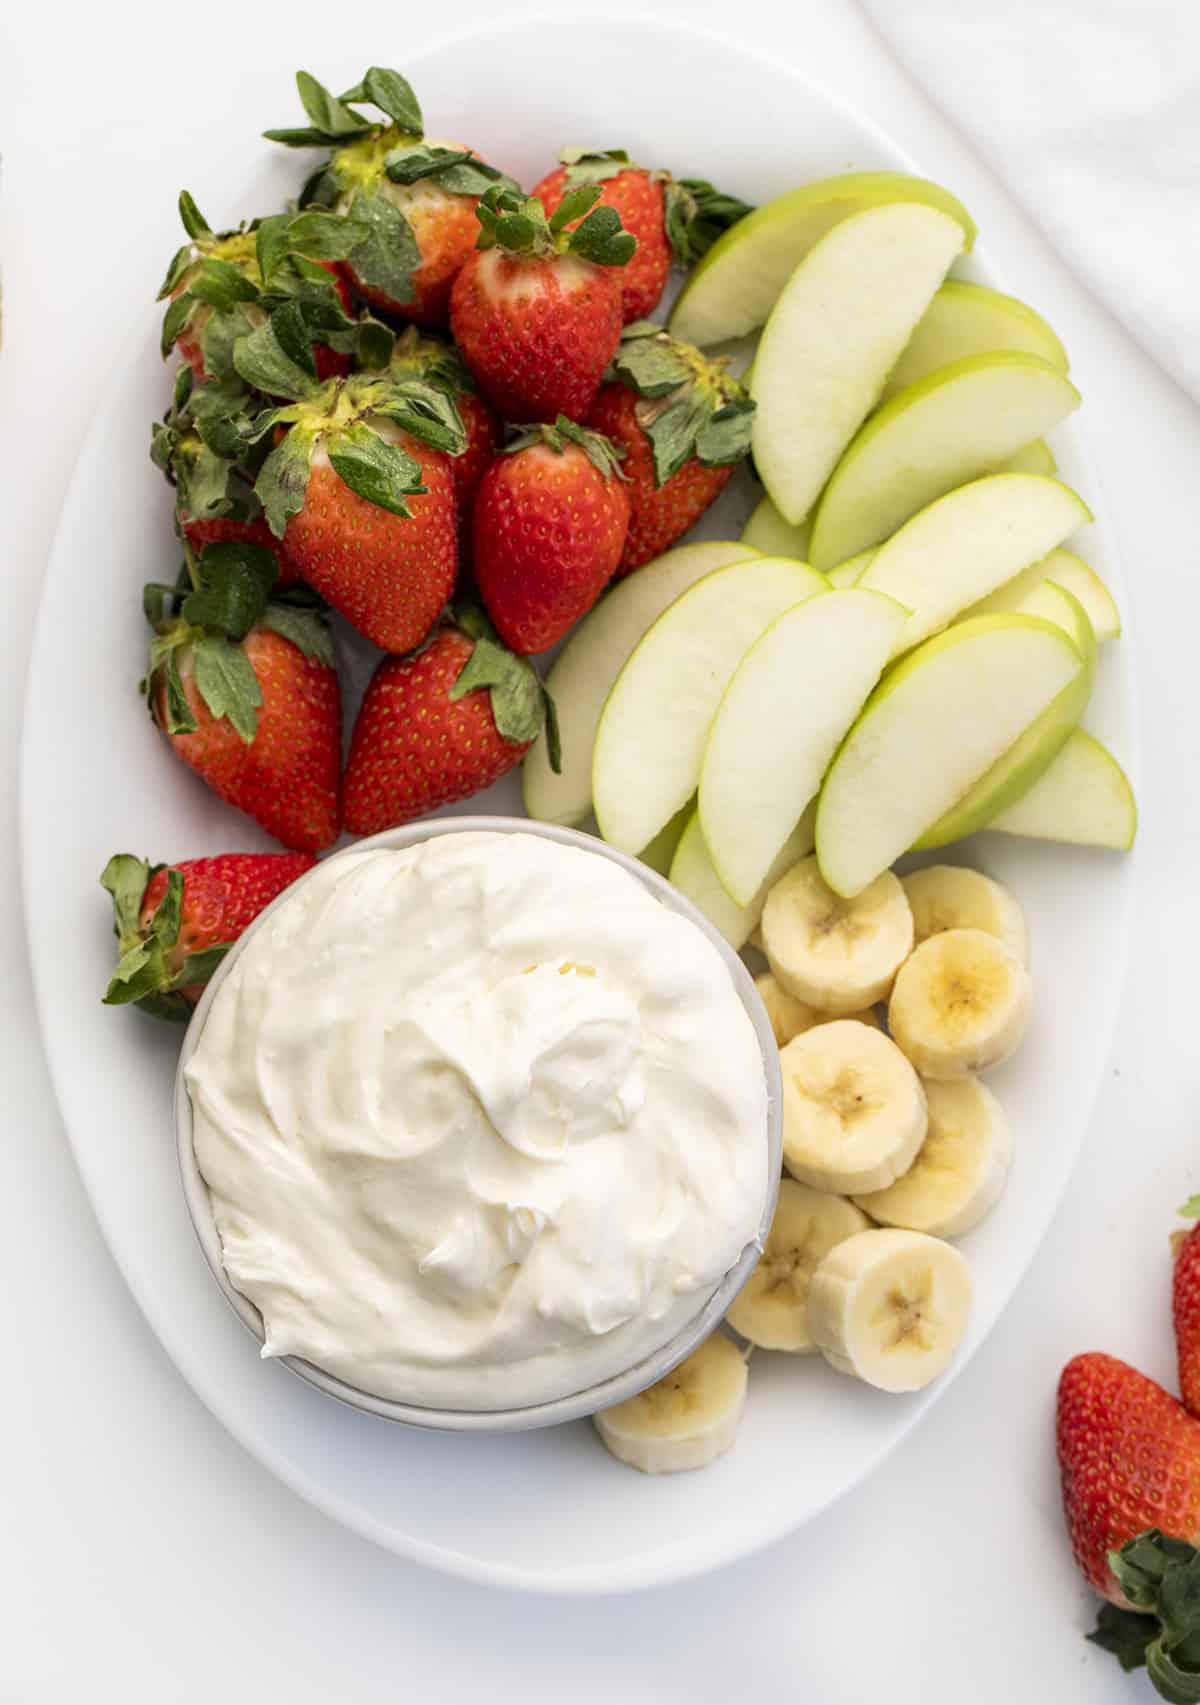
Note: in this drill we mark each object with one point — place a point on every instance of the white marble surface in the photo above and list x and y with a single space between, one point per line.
144 1558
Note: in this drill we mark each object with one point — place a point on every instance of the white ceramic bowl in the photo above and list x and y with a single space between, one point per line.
593 1397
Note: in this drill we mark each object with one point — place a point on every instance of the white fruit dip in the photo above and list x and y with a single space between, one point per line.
483 1122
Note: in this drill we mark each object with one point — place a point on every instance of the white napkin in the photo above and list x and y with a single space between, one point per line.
1090 111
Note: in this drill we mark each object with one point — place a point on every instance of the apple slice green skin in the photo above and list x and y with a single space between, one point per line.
965 544
768 532
971 319
954 426
1031 755
937 721
1066 570
1083 799
779 722
832 338
1035 458
584 671
850 572
651 734
693 874
735 286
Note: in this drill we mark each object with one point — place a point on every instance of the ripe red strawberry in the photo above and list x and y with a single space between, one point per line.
1129 1454
415 198
174 923
360 488
1185 1308
247 694
419 356
672 218
222 286
549 526
683 422
440 725
536 309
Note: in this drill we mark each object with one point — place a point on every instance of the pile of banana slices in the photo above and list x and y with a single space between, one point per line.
891 1144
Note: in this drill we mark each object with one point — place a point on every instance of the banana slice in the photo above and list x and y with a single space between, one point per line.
890 1307
962 1168
951 896
790 1017
961 1003
771 1309
688 1419
853 1109
837 955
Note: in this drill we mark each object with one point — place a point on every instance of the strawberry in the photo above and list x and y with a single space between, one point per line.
1159 1579
222 286
440 725
1185 1308
1129 1455
548 530
536 309
683 422
201 446
419 356
246 692
672 218
416 199
359 488
175 923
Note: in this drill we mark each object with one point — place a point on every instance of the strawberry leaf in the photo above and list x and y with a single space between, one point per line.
324 236
694 216
199 967
226 681
387 258
382 473
168 914
574 204
454 169
307 629
392 94
425 410
219 337
650 362
518 708
234 580
271 244
373 344
1124 1633
601 452
283 479
180 261
329 115
725 435
179 712
194 222
126 879
1160 1576
601 238
1191 1208
593 165
277 358
221 284
174 320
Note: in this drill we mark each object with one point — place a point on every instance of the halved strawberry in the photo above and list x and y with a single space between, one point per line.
683 422
415 198
536 309
246 692
223 285
672 218
359 486
175 923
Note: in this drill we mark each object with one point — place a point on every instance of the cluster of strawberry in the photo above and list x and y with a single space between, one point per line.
434 405
1129 1454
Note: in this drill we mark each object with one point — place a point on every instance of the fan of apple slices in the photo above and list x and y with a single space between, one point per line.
901 648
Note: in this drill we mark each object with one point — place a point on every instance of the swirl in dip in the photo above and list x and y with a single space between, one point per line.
482 1121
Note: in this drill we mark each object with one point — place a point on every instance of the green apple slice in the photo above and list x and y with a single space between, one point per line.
1035 458
661 851
971 319
1031 755
1068 570
768 532
832 339
806 678
969 542
591 660
937 722
850 572
655 721
959 423
692 872
1084 798
735 286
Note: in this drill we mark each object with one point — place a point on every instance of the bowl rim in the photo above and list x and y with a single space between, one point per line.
573 1405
